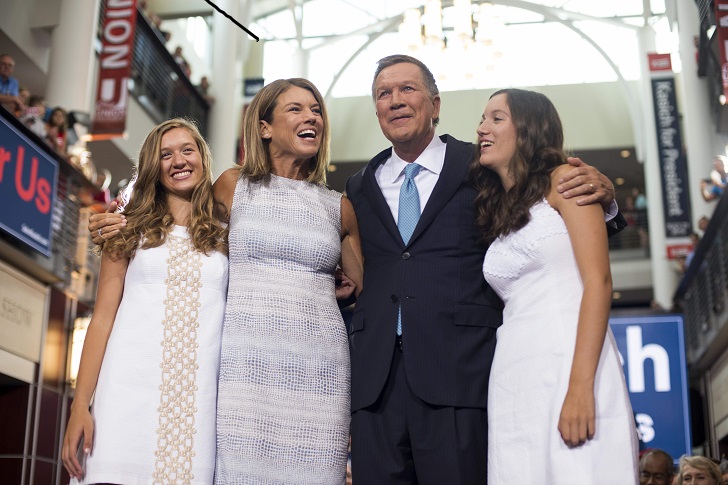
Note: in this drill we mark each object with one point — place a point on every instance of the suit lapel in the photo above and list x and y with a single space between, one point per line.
457 160
374 195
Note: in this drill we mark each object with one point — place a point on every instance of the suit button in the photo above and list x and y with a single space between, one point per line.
394 298
405 255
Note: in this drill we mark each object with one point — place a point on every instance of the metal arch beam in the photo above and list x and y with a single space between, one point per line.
559 14
555 15
635 108
372 37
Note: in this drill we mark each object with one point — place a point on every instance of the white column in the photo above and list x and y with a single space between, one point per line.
72 64
300 63
226 76
699 131
664 275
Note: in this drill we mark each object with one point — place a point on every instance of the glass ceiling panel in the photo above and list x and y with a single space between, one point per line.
527 50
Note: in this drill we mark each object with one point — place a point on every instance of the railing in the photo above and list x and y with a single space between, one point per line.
157 82
701 294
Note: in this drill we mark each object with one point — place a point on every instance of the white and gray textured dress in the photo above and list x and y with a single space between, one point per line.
154 406
283 403
534 272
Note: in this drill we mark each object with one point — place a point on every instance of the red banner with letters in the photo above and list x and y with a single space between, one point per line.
117 45
721 30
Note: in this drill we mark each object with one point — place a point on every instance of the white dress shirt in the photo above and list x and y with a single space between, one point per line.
390 175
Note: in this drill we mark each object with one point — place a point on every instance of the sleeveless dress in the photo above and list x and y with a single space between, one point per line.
534 272
154 406
283 403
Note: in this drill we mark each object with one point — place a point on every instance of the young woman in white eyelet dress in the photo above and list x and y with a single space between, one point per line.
558 408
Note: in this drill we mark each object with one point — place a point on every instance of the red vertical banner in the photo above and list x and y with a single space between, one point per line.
721 30
117 44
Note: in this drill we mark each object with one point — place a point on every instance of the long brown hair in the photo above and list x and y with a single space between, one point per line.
256 163
539 150
147 212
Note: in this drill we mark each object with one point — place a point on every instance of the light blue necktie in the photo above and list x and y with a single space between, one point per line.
409 213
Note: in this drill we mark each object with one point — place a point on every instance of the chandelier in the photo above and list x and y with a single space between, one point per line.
455 37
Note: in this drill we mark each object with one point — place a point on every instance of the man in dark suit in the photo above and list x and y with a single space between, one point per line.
422 335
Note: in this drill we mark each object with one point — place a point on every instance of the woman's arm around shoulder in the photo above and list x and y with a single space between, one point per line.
588 236
80 425
352 261
224 189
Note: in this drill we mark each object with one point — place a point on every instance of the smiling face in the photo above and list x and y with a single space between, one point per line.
696 476
405 108
296 130
497 136
181 169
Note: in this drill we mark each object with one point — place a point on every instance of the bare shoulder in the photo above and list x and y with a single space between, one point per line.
225 183
224 188
227 179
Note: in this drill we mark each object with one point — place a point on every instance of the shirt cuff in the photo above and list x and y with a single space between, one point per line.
612 211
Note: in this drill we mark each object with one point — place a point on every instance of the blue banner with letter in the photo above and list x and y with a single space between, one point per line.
28 179
653 354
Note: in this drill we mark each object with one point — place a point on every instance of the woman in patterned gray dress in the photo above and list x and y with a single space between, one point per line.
283 402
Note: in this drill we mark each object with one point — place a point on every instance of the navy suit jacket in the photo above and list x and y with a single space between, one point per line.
449 313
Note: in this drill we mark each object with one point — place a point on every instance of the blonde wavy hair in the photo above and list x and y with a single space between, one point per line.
256 162
147 212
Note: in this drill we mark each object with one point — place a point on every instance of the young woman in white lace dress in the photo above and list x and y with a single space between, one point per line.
151 355
558 409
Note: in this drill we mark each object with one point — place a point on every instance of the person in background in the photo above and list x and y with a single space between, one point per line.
656 468
640 200
57 130
694 241
703 223
24 95
32 116
558 407
9 89
179 58
712 188
204 89
724 471
698 470
151 356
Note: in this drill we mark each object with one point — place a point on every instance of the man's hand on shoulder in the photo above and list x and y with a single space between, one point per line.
586 182
106 225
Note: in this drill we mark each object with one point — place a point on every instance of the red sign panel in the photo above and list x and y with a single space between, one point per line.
117 43
721 30
659 62
675 251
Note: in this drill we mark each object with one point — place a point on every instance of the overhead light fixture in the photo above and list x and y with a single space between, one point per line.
469 37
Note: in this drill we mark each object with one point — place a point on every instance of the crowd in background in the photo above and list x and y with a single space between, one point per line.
657 467
49 123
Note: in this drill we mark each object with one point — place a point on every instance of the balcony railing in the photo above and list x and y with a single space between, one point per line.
703 290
